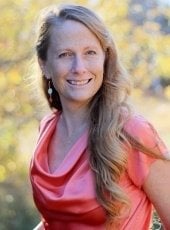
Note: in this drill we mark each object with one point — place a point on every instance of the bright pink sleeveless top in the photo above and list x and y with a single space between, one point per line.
66 198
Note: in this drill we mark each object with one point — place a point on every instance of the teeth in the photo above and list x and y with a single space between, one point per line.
82 82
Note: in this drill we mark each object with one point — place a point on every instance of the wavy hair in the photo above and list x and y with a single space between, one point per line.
107 154
106 137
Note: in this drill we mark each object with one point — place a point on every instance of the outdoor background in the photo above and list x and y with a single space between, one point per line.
141 30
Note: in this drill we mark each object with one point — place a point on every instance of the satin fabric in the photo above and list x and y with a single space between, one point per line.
66 198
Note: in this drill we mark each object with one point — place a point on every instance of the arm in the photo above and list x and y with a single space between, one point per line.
157 188
39 227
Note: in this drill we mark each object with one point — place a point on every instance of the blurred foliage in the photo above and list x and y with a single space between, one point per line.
144 49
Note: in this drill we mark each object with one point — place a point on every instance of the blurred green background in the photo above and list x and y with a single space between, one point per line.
141 30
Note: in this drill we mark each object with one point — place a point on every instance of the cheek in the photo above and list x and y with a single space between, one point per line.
98 65
55 74
99 69
60 69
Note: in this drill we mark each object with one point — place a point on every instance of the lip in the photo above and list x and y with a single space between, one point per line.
79 82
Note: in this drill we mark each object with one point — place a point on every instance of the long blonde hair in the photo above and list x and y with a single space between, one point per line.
106 137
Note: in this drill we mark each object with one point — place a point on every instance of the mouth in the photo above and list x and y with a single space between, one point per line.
79 82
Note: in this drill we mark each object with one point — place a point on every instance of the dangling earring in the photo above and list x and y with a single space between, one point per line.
50 91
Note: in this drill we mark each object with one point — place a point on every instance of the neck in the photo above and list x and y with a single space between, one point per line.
74 119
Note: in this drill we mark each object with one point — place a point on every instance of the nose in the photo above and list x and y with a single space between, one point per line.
78 65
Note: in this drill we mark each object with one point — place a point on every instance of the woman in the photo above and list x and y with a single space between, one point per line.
97 165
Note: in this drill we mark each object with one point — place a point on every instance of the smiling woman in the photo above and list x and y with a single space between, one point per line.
74 64
97 164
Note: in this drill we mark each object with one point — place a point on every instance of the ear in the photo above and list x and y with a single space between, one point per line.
43 68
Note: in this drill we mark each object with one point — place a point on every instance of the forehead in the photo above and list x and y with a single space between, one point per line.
71 32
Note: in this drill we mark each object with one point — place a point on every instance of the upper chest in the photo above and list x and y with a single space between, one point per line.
57 151
60 146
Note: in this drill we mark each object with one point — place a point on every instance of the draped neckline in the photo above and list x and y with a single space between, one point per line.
71 157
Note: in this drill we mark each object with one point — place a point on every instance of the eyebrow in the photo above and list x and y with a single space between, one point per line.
61 50
70 49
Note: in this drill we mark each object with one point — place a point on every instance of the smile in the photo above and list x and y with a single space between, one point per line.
78 82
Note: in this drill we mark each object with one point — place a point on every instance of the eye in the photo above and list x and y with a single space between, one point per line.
91 52
65 54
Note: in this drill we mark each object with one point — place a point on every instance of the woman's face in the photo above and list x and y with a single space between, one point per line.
75 62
